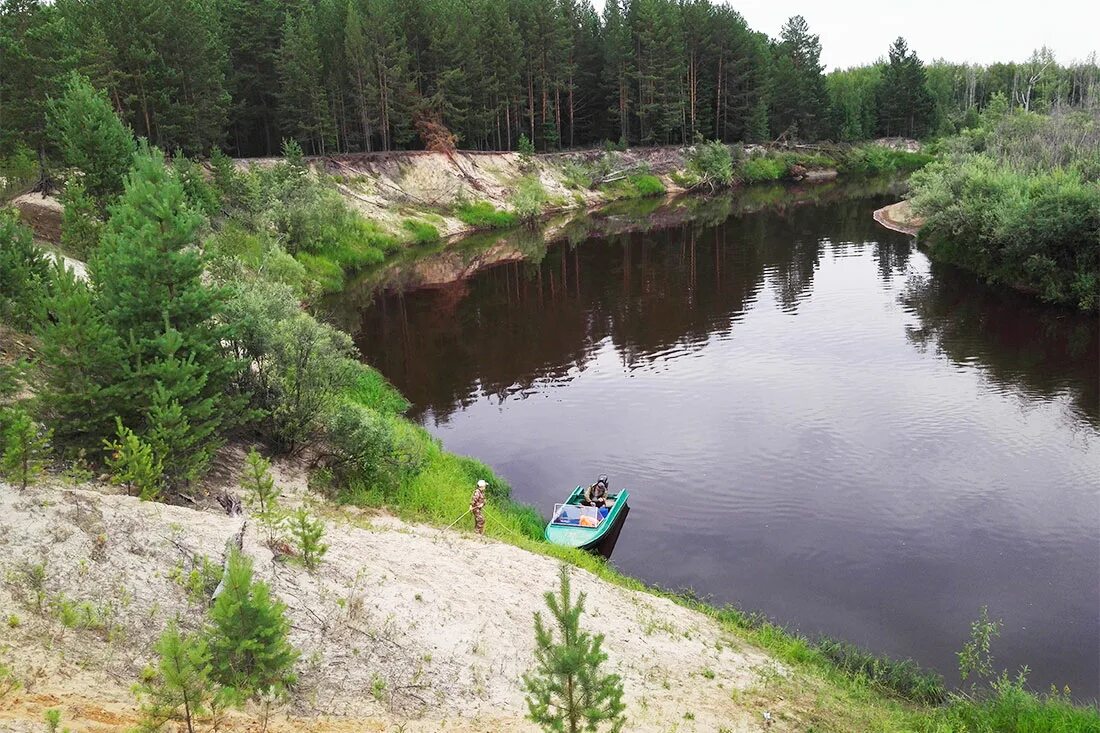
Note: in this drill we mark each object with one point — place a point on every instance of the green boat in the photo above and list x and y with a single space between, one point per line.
576 525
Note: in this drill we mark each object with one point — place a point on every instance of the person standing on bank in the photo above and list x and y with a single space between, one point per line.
477 506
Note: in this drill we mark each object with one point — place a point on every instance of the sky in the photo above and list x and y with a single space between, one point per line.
855 32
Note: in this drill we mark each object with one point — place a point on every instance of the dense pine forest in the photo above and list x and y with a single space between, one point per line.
367 75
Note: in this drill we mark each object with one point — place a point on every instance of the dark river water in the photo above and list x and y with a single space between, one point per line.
813 421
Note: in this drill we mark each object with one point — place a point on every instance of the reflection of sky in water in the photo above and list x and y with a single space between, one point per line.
790 445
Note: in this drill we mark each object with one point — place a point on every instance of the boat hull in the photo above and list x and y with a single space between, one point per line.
589 538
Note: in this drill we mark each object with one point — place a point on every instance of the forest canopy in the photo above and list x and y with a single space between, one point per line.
365 75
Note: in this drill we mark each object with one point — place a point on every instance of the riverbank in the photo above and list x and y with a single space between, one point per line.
402 624
899 217
418 198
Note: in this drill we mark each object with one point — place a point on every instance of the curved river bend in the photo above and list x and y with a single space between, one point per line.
814 422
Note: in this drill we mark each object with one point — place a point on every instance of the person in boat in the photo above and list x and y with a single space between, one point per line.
596 494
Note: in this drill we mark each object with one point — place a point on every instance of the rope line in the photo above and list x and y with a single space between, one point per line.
458 520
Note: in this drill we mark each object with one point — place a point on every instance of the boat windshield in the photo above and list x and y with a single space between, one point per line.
574 515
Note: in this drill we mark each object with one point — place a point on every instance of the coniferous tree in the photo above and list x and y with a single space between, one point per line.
307 533
617 66
798 92
249 650
504 63
31 55
262 492
183 418
91 138
24 273
568 692
905 106
147 279
253 30
133 464
181 689
303 99
658 64
83 382
24 449
81 222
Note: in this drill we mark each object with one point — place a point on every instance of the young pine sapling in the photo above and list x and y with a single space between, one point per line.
307 533
25 448
262 493
133 464
568 692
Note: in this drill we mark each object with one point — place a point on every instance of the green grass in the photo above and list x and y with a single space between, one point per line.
327 273
872 160
902 677
422 232
373 390
483 215
1008 707
635 186
529 198
760 169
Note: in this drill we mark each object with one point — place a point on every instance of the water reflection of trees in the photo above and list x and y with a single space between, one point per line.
523 322
1019 344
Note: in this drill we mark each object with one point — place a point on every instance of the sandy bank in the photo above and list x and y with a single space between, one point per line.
899 217
402 624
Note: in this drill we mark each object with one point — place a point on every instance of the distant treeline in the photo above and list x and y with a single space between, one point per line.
358 75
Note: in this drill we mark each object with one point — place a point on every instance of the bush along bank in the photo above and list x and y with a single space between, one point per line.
1017 201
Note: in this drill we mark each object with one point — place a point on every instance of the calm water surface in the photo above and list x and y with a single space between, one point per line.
813 421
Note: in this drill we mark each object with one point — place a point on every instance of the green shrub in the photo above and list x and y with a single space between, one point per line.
711 164
1012 708
646 185
484 215
326 274
1034 230
422 232
576 175
635 186
360 450
235 253
309 218
529 198
311 364
761 169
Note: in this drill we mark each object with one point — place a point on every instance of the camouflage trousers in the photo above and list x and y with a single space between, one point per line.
479 521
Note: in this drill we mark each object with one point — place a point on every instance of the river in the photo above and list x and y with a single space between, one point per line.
814 421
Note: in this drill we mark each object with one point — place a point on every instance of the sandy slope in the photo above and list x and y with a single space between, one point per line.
899 217
403 625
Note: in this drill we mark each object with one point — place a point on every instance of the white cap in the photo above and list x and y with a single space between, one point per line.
482 483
